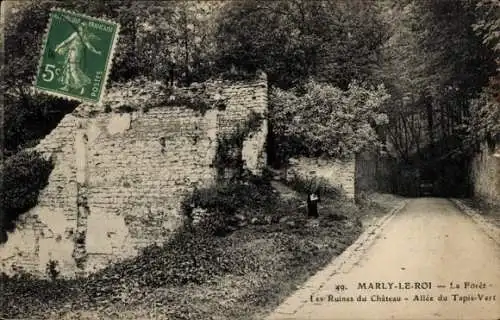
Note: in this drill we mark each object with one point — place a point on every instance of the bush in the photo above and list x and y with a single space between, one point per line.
321 120
253 196
306 184
23 175
28 120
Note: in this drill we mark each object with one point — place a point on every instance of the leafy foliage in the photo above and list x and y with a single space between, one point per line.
253 197
229 146
433 65
190 257
264 260
306 185
291 41
488 24
29 119
326 121
486 109
23 175
485 120
176 39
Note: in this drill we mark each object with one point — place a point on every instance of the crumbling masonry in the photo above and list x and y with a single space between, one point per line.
119 177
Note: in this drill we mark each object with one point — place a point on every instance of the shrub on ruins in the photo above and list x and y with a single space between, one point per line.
229 153
52 269
29 118
23 175
319 119
230 204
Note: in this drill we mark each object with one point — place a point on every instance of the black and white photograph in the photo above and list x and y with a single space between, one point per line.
250 159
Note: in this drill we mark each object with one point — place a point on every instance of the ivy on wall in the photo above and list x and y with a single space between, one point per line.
230 146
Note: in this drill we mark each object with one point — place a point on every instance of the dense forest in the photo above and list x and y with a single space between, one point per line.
417 79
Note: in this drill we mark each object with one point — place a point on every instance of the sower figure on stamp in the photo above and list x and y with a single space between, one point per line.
72 76
313 198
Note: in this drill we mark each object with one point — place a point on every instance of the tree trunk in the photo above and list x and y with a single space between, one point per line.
430 124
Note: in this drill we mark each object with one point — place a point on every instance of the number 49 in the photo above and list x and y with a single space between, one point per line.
49 72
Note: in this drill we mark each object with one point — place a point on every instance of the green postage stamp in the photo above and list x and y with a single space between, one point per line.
77 56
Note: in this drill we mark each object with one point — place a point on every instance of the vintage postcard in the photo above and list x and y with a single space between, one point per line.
237 160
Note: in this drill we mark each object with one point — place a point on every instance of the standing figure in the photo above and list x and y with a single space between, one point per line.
73 48
312 201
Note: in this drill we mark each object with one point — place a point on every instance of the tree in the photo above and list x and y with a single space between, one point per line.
433 66
485 113
176 39
322 120
337 41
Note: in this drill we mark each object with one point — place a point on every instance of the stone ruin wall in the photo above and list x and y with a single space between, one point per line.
119 179
486 176
336 173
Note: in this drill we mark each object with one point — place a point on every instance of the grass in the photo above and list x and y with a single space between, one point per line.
197 275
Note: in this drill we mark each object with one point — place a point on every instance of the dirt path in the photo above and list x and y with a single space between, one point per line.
427 250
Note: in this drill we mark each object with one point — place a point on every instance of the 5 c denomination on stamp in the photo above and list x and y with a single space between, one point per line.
76 56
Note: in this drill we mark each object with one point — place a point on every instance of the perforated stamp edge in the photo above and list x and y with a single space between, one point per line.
109 63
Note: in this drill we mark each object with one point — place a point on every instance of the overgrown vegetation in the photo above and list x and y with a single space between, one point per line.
231 203
29 119
52 269
486 109
23 175
228 155
265 260
194 98
143 94
436 60
333 41
321 120
438 63
326 62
